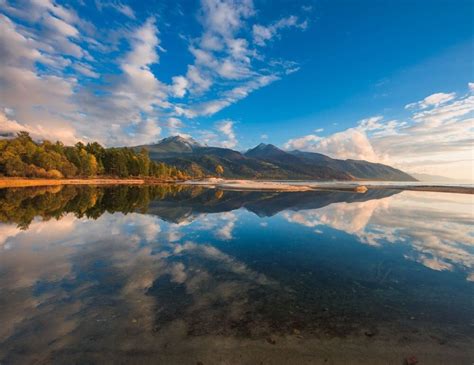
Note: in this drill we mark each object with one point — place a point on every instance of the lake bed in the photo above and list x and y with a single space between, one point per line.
186 274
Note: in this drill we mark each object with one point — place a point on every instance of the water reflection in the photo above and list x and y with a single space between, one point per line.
180 275
437 228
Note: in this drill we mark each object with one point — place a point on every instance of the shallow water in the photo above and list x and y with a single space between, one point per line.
182 275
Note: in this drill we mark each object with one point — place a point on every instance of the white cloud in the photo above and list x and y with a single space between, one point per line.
223 135
47 52
351 143
306 143
228 98
11 127
117 6
262 34
174 126
226 127
225 17
432 100
439 129
180 84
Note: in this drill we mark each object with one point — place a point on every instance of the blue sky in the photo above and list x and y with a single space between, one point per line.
386 81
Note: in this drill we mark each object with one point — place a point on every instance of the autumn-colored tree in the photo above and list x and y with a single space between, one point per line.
21 156
219 170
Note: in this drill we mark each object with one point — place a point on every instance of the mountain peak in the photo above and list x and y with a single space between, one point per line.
264 147
180 139
264 150
174 144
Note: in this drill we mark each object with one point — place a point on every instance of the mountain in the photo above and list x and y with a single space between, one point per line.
172 145
359 169
294 164
265 161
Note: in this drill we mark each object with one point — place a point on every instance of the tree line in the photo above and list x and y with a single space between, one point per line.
23 157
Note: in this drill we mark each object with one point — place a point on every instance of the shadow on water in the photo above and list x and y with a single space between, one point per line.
139 274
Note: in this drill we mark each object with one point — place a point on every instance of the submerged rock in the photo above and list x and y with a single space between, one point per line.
271 340
411 360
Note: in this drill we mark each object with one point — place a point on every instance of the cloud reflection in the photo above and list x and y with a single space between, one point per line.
437 227
75 260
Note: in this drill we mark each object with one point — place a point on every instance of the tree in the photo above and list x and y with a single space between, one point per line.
21 156
219 170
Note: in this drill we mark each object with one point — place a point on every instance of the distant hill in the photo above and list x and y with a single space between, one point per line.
266 161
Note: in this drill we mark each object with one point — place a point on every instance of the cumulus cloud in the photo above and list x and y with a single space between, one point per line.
10 128
226 128
439 129
222 136
47 52
349 144
179 86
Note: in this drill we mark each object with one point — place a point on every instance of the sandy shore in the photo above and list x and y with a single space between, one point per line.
246 185
18 183
225 184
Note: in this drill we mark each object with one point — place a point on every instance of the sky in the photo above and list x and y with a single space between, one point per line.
385 81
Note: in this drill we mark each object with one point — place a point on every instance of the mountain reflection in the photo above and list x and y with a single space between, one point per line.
173 203
173 273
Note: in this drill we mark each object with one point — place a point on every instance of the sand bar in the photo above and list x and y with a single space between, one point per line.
358 187
240 185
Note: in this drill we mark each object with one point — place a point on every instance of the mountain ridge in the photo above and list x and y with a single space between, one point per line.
266 161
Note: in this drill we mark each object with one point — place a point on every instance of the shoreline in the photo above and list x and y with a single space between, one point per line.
238 185
355 187
24 182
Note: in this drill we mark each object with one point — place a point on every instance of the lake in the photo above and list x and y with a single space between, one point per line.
189 275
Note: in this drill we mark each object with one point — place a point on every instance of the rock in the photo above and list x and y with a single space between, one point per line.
271 340
296 331
411 360
369 333
441 341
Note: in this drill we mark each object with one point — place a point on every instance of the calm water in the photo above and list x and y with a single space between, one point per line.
175 275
